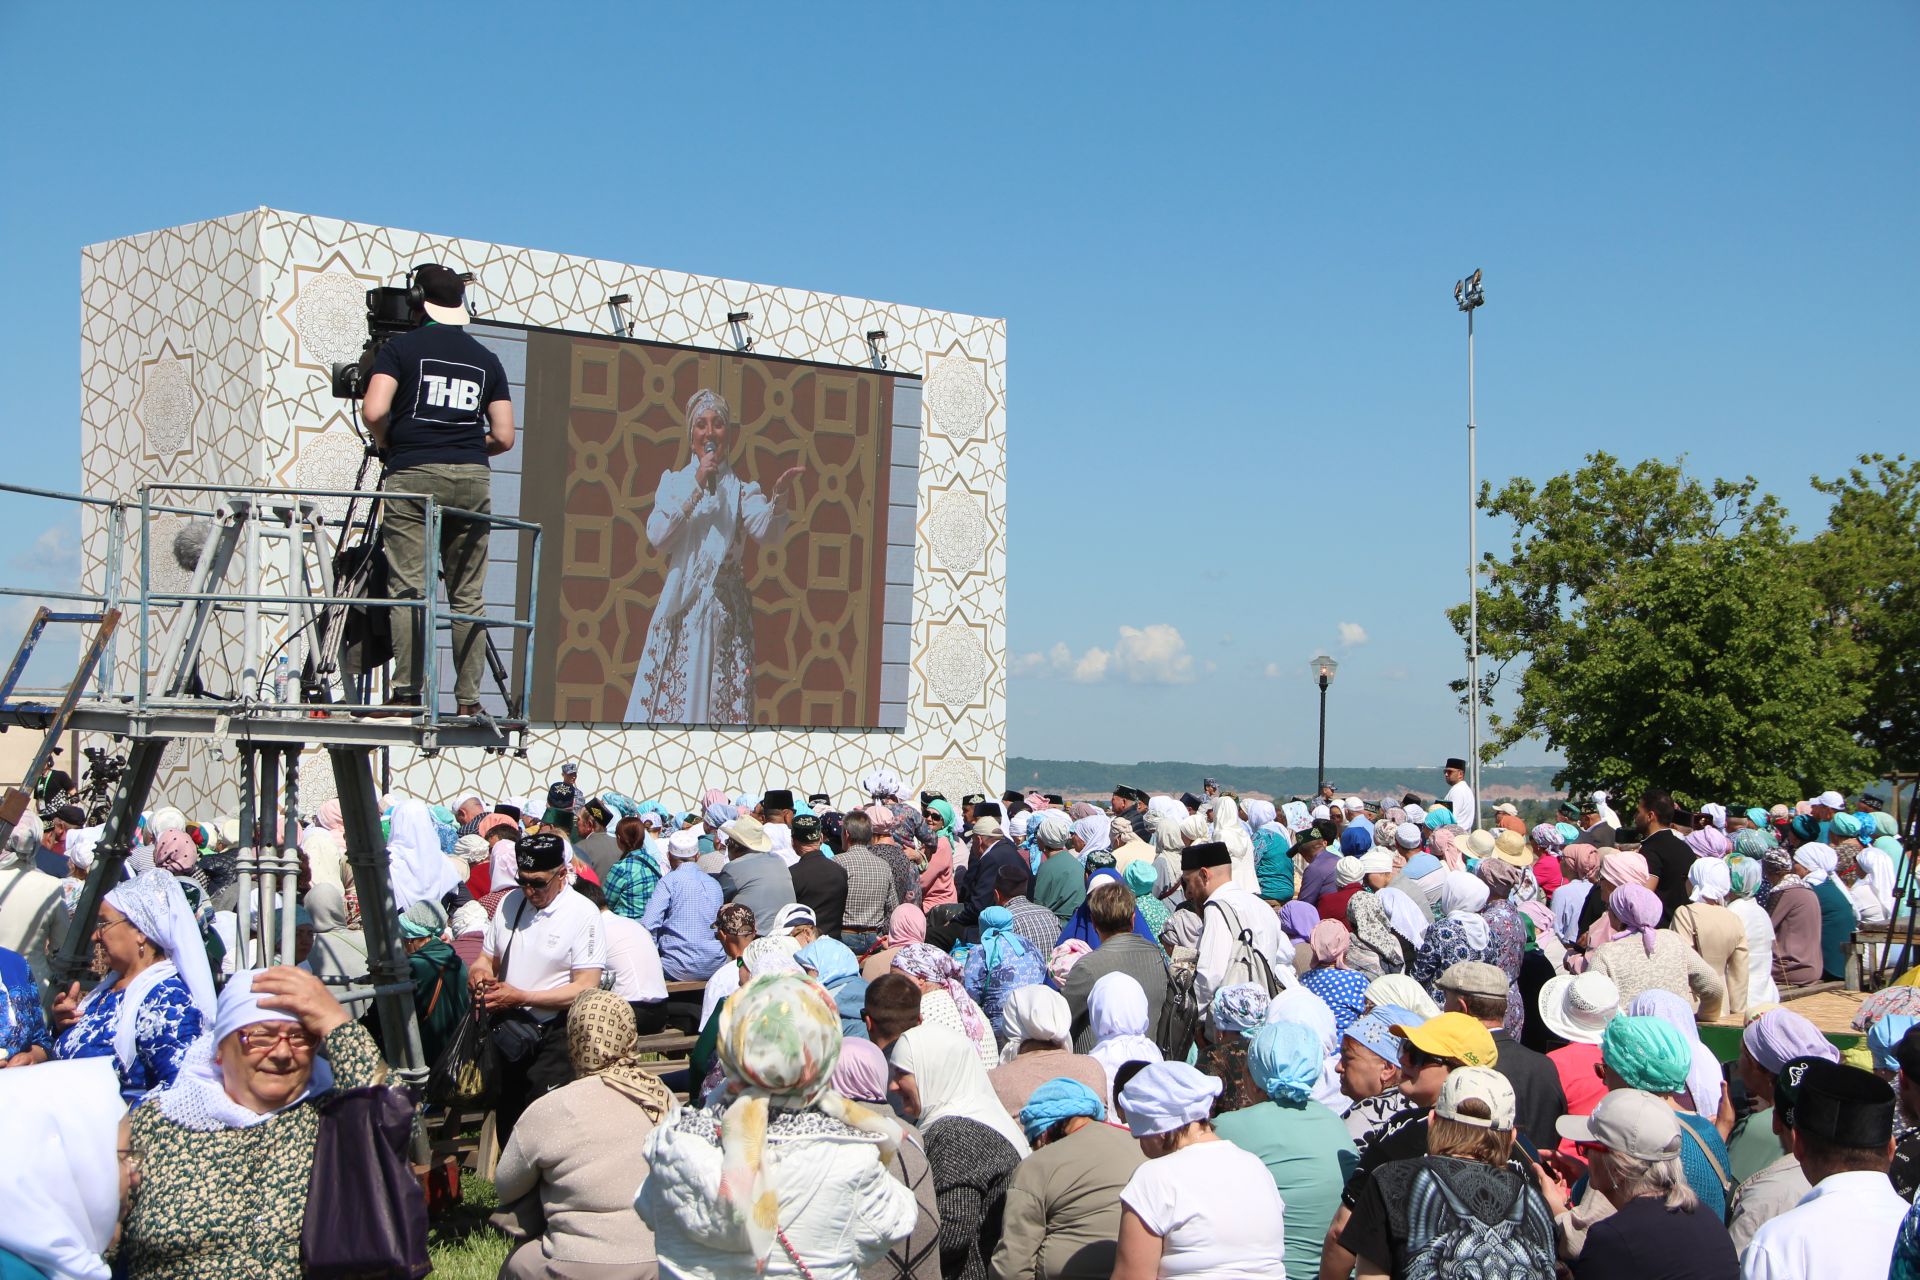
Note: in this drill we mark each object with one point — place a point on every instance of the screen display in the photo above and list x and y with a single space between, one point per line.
715 534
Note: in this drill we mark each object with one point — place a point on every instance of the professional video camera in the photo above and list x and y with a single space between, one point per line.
391 310
104 771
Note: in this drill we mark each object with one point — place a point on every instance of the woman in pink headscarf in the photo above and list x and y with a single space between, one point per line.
1709 842
1617 870
1446 846
330 818
176 852
907 924
1645 957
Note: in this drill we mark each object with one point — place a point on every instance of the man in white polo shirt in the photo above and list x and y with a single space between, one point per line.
544 947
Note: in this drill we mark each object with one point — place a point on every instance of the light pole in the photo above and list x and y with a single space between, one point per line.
1323 669
1468 296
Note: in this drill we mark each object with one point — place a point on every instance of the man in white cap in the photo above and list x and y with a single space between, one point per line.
437 406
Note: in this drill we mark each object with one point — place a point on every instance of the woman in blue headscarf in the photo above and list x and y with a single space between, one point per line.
1080 925
1003 963
1303 1144
838 969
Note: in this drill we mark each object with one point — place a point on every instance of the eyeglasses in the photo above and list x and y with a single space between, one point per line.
262 1037
101 926
133 1158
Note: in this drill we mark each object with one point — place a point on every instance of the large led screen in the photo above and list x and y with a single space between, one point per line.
715 534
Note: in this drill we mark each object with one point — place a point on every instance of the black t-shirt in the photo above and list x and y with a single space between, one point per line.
1645 1241
1669 859
1460 1213
447 380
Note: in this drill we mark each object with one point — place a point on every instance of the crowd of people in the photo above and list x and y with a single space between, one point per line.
1197 1036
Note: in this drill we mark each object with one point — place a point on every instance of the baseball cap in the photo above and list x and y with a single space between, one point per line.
444 293
1631 1122
1454 1036
986 825
1354 804
1477 1084
1830 799
1475 978
1507 808
570 768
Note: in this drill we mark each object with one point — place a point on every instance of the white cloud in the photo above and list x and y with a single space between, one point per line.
1155 654
1352 635
56 552
1273 671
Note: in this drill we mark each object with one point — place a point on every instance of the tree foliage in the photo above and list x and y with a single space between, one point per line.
1866 566
1663 631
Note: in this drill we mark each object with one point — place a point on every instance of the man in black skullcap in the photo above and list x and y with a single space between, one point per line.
595 844
1842 1124
1131 803
818 881
544 947
1226 913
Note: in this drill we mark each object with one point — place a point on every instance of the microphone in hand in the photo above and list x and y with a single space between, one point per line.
709 474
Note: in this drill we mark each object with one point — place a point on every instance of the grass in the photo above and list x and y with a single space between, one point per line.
463 1245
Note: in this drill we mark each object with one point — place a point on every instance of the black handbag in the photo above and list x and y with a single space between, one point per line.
466 1075
513 1034
366 1216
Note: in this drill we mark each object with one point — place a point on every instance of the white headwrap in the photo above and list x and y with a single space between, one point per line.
881 784
1408 835
1346 871
1461 897
952 1082
1054 830
81 844
168 819
469 917
198 1098
1320 813
325 856
154 903
1017 825
60 1123
1819 861
1117 1016
1607 815
1711 880
1404 915
1718 812
1376 861
1260 813
414 861
1233 833
1167 1096
1877 877
1037 1012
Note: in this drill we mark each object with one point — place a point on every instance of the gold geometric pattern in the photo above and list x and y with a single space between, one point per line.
220 289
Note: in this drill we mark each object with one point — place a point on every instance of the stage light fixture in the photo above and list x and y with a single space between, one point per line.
737 321
874 351
621 325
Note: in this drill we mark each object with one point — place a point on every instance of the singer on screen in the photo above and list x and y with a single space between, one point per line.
697 667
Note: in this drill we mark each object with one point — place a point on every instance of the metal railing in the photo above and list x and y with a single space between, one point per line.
293 516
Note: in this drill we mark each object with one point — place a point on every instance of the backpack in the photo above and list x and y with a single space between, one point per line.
1447 1241
1182 1014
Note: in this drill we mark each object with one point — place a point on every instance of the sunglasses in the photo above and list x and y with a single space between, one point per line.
537 883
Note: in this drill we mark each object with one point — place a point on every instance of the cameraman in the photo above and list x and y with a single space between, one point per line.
437 405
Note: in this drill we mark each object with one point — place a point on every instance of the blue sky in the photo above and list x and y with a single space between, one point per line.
1224 240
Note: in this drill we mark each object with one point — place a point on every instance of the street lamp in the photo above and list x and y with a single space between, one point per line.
1323 669
1468 297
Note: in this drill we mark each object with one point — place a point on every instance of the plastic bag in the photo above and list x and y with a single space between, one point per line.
467 1073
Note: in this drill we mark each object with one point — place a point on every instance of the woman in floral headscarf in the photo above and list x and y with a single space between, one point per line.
1238 1012
944 1000
1507 931
781 1165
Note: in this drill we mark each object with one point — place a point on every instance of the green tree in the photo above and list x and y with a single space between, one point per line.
1663 633
1866 566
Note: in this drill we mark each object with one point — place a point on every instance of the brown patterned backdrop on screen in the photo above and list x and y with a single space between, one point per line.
817 595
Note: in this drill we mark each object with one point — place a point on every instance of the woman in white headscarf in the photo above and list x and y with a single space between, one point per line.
1230 831
157 996
1165 821
64 1185
1872 894
418 869
228 1149
973 1145
1117 1016
697 664
1039 1048
1460 934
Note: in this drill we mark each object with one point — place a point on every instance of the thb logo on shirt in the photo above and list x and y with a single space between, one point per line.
449 393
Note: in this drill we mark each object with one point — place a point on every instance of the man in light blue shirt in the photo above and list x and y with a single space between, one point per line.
680 917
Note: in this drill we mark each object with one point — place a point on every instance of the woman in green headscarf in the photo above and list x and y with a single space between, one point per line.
439 976
1140 876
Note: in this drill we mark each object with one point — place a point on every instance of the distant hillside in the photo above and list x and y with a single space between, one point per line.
1091 778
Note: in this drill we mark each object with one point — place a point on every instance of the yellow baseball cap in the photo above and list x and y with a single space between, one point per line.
1455 1036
